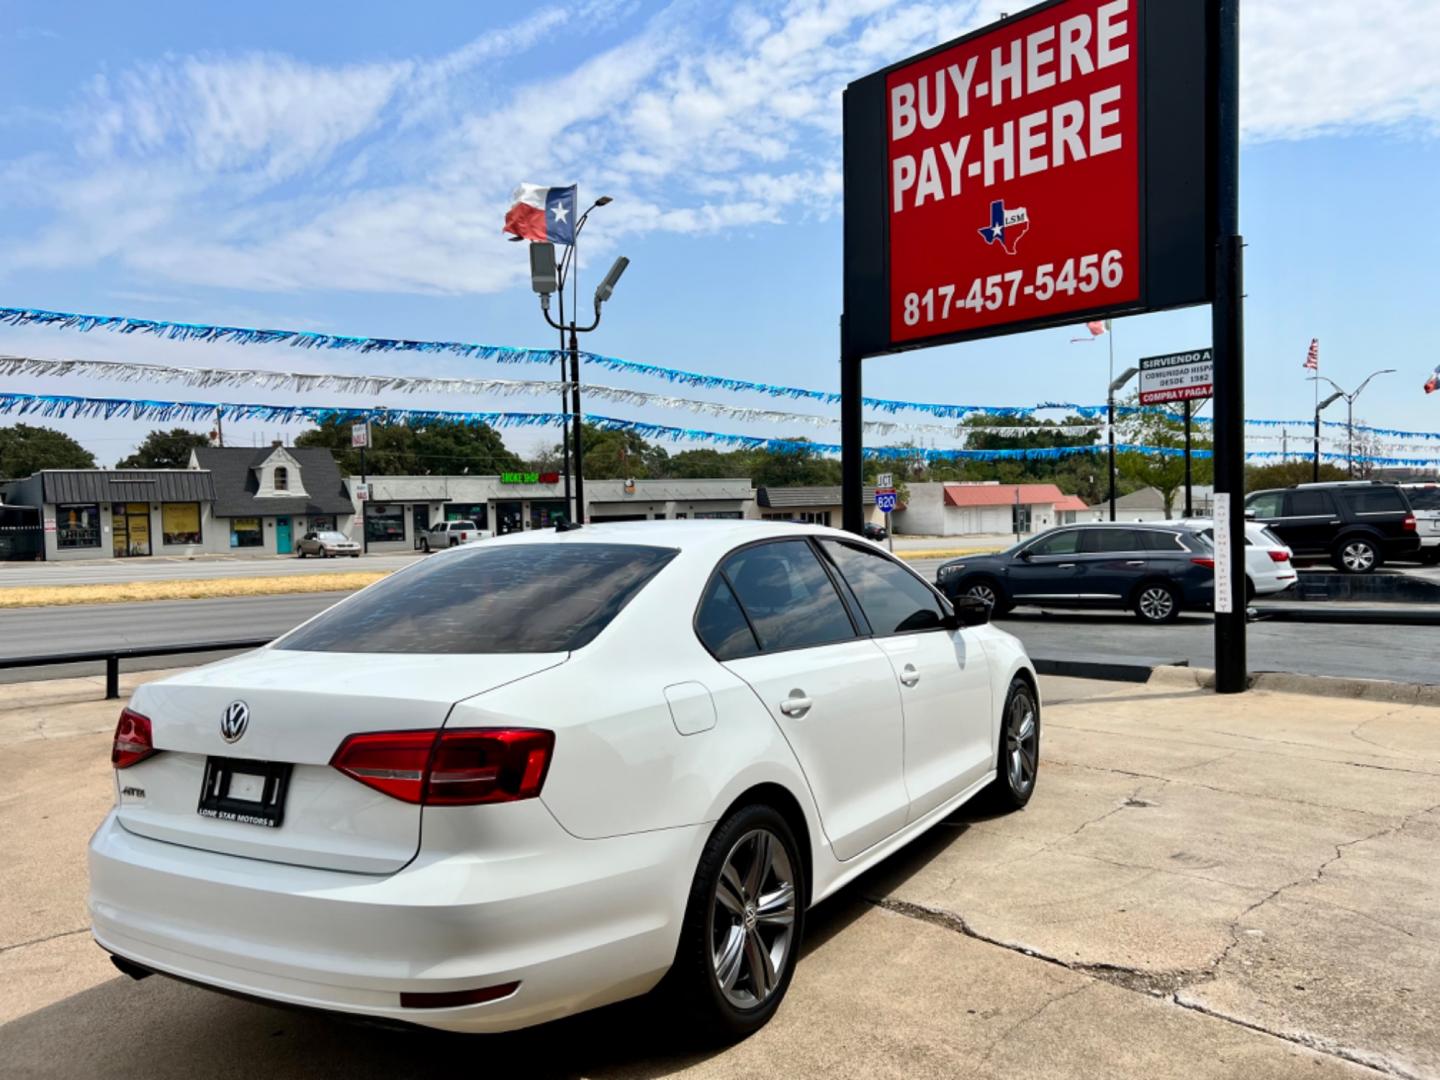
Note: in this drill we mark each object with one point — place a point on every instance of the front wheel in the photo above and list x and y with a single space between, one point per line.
743 925
989 593
1157 603
1018 765
1356 555
300 553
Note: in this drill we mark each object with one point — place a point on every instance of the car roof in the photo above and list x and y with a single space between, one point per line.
714 536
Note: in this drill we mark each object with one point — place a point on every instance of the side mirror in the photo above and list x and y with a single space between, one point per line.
1250 514
969 611
1025 555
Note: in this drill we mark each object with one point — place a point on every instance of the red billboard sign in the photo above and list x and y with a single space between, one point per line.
1014 172
1044 170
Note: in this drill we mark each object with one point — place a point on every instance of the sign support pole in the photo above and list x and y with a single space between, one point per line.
364 533
852 440
1189 505
1227 314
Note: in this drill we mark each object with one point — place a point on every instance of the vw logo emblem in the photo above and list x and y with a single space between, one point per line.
234 721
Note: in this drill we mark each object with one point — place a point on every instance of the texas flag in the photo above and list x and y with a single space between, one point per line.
1433 383
542 213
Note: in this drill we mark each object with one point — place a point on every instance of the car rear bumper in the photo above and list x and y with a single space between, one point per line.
576 923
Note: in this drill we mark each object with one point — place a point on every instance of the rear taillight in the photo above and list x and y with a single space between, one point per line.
1409 523
1278 556
134 740
463 767
1205 561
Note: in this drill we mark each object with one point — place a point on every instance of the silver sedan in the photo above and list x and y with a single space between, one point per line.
327 543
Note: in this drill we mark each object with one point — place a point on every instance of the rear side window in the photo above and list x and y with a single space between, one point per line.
1307 504
1426 498
522 598
721 624
1377 500
893 599
788 595
1107 540
1159 541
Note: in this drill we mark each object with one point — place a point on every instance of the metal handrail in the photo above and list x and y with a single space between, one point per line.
112 657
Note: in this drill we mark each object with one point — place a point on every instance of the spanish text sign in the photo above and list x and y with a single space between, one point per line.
1014 173
1187 376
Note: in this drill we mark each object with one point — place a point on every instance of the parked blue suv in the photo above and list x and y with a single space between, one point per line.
1156 571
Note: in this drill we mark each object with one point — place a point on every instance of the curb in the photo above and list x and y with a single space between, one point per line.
1372 616
945 553
1139 670
1281 682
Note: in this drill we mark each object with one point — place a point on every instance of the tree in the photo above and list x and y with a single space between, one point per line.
440 448
1287 473
1165 473
796 466
25 450
164 450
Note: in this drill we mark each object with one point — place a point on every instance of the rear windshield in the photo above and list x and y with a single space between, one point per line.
462 525
521 598
1426 498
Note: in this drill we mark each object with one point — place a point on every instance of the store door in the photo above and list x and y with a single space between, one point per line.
130 529
419 522
508 518
283 546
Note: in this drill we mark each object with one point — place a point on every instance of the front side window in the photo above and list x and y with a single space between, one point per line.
521 598
1377 500
721 624
180 523
894 600
788 595
77 526
1266 505
1060 543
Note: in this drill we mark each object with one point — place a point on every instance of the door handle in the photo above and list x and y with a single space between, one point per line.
1134 562
796 705
909 676
1065 566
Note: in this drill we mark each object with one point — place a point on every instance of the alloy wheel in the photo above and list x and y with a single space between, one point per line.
984 593
1358 557
1022 742
752 919
1156 603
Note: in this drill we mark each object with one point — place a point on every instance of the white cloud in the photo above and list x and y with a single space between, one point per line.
264 171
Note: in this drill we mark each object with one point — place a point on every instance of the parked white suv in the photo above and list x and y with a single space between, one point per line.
1269 562
1425 500
448 534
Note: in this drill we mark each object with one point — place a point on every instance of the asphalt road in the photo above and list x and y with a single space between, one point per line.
115 571
1399 653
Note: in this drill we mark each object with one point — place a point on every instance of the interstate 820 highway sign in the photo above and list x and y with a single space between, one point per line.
1047 169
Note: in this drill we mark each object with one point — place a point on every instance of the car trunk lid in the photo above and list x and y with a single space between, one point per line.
300 706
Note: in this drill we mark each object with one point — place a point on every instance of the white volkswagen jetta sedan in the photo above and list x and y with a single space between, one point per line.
530 777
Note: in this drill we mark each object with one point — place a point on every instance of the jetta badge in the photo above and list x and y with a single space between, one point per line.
234 721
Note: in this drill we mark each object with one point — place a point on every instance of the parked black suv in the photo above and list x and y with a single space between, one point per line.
1359 524
1154 570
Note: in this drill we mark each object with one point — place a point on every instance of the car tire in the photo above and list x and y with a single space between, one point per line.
990 591
299 552
1156 602
1356 555
1017 764
728 947
325 553
1429 556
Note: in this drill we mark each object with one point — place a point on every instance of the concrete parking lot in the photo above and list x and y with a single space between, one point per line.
1201 887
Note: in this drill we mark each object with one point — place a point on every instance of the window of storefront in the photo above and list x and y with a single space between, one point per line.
810 517
544 514
322 523
180 523
77 526
479 513
130 529
246 532
718 515
384 523
1020 518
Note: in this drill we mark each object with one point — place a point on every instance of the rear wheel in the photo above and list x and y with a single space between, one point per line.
743 925
1157 602
1356 555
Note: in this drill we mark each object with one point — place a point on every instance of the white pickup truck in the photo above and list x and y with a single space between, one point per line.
448 534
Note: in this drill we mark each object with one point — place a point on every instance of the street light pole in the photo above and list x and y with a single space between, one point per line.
1349 418
1320 407
1115 384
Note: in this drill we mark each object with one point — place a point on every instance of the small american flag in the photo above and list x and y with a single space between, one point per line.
1312 358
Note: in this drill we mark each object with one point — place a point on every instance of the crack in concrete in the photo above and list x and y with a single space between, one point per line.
1028 1018
42 940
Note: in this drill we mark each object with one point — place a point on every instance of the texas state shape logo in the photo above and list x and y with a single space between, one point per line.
1006 226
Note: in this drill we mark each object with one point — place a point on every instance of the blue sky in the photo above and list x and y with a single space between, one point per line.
346 168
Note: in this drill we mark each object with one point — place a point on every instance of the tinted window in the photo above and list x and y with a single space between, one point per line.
1104 540
1060 543
1378 500
1427 498
520 598
788 596
1266 505
1307 504
1158 541
893 599
721 624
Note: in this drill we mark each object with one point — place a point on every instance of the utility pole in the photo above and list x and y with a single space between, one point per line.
1189 504
1115 384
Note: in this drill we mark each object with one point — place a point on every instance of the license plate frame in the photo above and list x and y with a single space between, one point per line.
218 801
